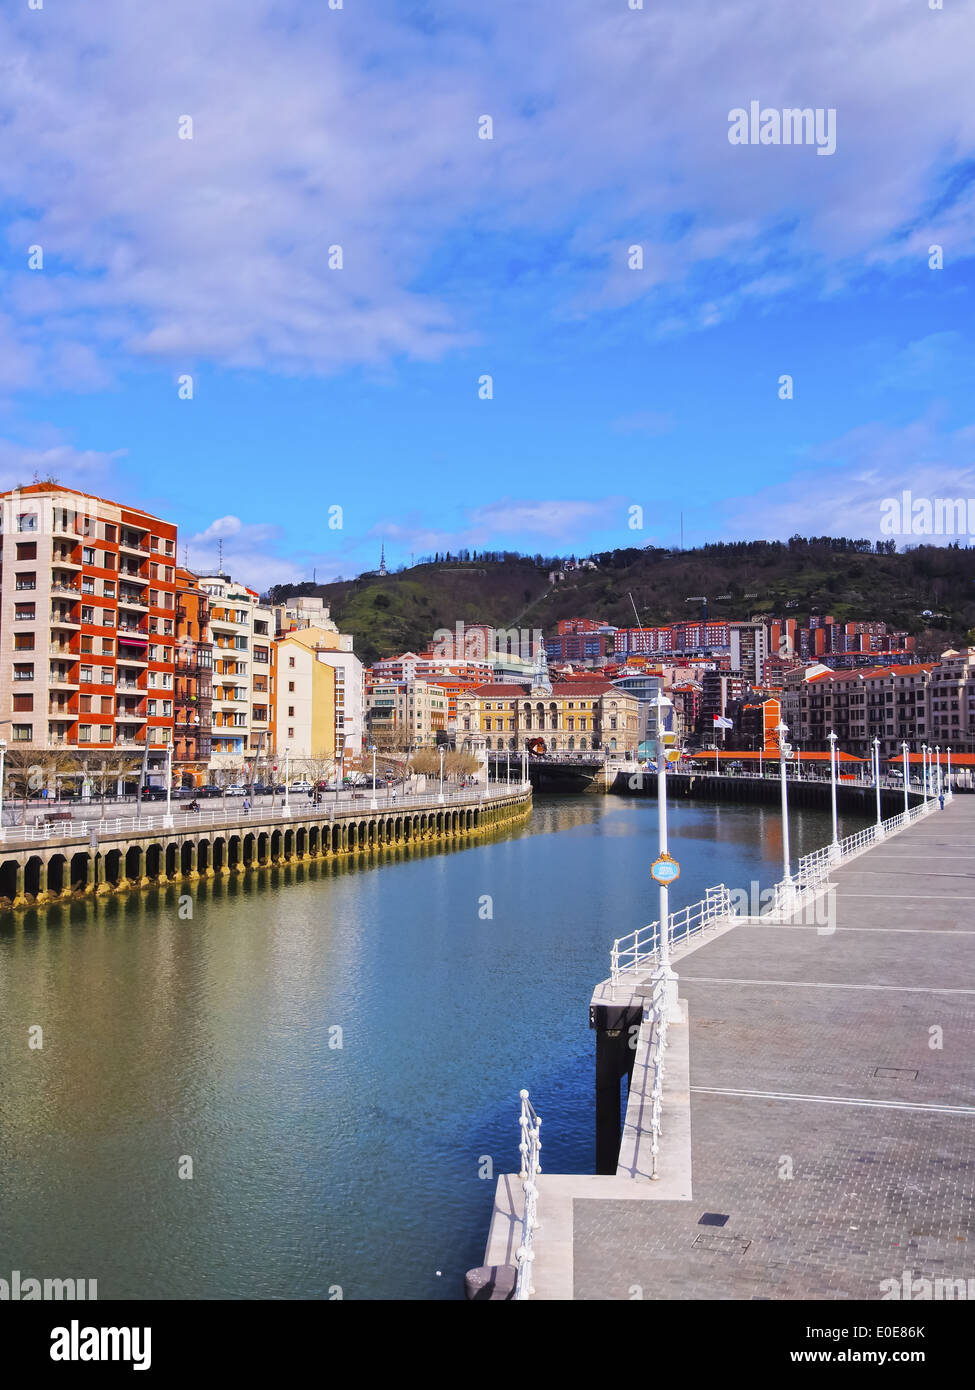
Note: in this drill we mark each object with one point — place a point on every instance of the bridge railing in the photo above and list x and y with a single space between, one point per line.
641 948
813 870
530 1148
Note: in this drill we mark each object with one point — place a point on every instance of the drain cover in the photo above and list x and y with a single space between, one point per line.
720 1243
712 1218
901 1072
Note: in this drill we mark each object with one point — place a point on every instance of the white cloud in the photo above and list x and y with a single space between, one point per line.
315 127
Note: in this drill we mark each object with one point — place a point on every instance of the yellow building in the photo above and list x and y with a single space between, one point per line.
318 711
574 716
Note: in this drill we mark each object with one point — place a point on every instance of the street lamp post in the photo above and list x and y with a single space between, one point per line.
907 780
876 782
286 808
168 818
924 770
373 804
664 978
440 797
3 755
782 729
833 757
937 763
948 774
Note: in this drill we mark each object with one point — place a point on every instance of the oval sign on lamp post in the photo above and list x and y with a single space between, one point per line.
665 869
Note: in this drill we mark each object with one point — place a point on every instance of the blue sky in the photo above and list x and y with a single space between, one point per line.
612 387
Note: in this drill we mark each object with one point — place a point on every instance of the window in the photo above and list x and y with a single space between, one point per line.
23 641
23 704
291 662
84 733
23 672
87 554
27 579
291 711
86 644
26 550
85 704
108 589
87 586
291 686
85 675
108 617
107 701
291 733
111 534
23 733
24 613
27 521
87 614
105 733
108 675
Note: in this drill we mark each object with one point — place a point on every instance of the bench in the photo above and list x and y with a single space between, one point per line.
53 817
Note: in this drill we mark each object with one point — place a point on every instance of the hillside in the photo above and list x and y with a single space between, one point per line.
797 578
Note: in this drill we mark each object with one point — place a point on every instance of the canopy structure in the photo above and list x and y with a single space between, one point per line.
740 755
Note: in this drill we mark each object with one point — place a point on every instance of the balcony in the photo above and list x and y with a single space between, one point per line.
62 712
134 628
131 545
59 587
62 559
128 685
63 618
129 716
62 678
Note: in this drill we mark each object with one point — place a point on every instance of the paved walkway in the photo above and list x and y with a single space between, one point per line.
831 1102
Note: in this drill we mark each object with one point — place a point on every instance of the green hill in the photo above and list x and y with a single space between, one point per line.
827 575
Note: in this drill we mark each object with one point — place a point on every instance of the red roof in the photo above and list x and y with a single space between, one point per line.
560 690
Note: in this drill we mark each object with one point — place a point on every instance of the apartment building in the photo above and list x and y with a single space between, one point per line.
951 702
243 683
87 616
406 714
319 711
885 703
194 676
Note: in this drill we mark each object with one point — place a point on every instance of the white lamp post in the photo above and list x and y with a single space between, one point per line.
664 978
442 751
373 804
937 763
286 808
907 779
3 755
876 782
948 775
924 770
833 758
782 729
168 818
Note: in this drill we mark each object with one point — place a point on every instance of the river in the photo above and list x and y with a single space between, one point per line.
336 1049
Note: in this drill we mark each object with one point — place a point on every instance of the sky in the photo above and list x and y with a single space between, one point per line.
176 333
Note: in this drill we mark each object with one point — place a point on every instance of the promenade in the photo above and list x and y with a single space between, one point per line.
818 1110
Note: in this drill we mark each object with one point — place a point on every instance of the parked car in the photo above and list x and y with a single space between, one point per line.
279 787
237 789
209 790
262 789
186 793
153 793
302 787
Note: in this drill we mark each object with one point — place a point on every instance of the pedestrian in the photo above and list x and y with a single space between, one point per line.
247 805
941 800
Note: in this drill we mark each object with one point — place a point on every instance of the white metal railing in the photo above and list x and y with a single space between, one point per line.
641 948
813 870
529 1146
657 1019
183 819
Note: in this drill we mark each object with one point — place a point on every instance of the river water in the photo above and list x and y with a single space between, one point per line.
206 1030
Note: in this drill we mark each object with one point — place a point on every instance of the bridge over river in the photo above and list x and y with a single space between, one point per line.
807 1128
